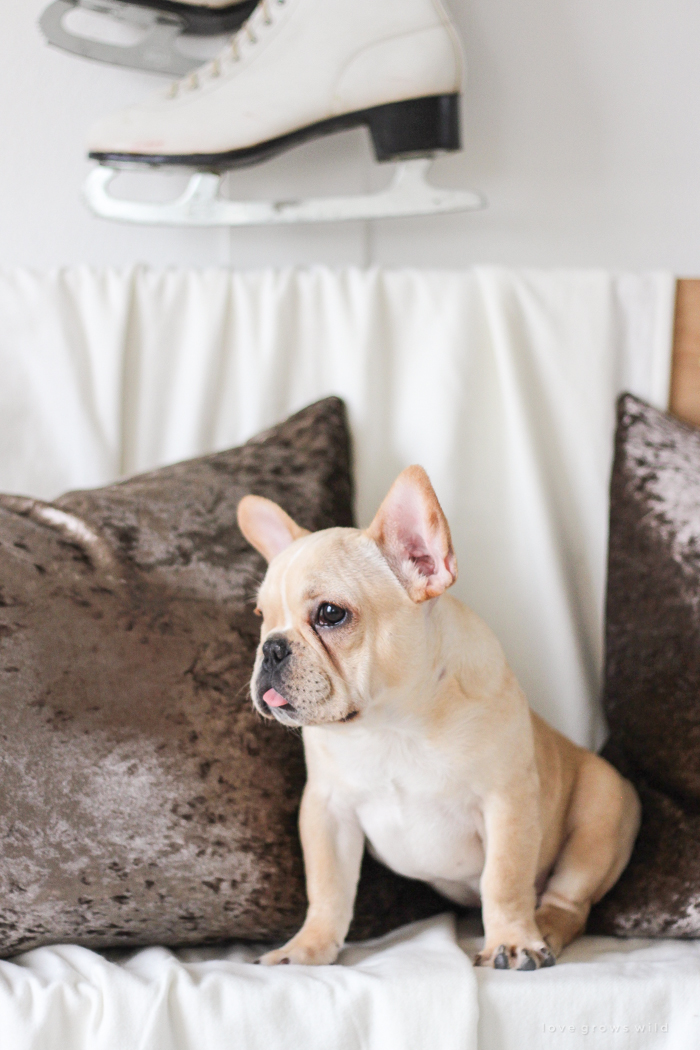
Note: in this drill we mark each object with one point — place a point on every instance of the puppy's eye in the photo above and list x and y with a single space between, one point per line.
330 615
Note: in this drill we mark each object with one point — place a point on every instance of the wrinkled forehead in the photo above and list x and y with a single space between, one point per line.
335 564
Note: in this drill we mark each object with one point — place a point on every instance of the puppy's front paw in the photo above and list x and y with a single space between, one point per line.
532 956
305 951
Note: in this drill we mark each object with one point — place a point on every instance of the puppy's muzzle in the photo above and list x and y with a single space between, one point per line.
276 652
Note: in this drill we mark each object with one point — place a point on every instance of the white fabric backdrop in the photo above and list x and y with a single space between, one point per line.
501 383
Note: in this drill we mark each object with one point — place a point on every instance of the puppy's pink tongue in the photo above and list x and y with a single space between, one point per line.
273 699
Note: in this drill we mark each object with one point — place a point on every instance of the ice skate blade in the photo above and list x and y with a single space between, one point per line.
409 193
156 53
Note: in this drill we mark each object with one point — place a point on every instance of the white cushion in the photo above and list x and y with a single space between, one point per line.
603 992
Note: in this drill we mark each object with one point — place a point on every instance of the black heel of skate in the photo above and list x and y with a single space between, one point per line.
416 127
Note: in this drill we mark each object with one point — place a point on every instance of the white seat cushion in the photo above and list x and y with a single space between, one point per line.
635 993
412 990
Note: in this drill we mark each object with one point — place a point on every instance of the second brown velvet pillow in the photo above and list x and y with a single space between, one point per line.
652 675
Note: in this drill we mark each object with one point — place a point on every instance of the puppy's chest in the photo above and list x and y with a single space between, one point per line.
419 819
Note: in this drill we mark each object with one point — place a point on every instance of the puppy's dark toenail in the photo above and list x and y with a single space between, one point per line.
256 962
529 962
501 961
548 957
284 962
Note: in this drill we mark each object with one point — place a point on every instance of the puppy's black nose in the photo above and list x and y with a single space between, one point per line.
275 650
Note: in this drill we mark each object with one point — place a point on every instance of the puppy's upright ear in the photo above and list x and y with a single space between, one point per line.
412 533
266 526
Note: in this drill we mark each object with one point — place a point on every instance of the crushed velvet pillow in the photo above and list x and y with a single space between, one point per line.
142 800
652 677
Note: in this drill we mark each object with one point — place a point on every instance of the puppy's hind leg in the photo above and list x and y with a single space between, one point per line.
602 824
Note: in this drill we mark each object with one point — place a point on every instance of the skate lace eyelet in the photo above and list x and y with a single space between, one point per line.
216 67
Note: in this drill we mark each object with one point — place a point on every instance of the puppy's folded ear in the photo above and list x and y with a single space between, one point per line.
266 526
412 533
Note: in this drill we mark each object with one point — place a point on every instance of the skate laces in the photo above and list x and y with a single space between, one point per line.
232 52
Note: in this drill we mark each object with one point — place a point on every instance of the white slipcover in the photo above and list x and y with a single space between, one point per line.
502 384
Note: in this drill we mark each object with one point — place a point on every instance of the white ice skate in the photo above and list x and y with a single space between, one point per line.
160 22
297 70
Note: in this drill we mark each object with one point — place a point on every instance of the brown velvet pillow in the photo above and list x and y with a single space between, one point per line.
652 677
141 798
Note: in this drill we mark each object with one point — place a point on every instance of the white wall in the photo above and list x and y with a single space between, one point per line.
581 125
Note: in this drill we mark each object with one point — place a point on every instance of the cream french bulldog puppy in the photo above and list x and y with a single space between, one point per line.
419 740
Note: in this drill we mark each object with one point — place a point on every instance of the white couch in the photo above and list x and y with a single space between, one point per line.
502 384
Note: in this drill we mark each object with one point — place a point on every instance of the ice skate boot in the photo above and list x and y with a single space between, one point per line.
298 70
161 23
